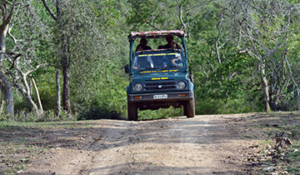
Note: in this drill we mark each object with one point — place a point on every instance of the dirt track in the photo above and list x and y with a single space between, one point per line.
202 145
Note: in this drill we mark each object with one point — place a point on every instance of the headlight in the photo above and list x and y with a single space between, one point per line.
138 87
181 85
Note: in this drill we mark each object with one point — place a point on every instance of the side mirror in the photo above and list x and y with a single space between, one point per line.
126 69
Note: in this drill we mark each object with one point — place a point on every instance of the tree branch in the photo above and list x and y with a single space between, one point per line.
58 7
20 88
13 38
219 47
180 17
218 37
49 10
152 25
7 2
246 51
3 11
295 83
7 20
38 66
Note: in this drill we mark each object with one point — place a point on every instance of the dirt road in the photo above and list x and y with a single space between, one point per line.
206 144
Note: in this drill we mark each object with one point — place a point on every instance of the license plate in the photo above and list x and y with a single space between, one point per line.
160 96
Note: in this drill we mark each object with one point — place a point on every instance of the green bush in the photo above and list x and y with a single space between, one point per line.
243 103
95 113
48 98
4 117
207 106
20 105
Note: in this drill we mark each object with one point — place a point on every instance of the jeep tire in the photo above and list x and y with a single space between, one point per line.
189 108
132 112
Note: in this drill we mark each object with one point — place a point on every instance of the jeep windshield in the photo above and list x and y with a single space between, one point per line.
157 60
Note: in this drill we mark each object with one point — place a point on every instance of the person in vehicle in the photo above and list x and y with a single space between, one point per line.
177 61
171 44
143 43
161 47
139 48
142 63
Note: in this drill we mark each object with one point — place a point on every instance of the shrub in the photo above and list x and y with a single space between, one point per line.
95 113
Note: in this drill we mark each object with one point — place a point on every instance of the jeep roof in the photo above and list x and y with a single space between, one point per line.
155 34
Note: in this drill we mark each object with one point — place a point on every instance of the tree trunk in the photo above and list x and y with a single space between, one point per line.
65 61
66 89
1 104
58 93
2 43
65 54
37 96
265 87
30 88
273 92
8 94
31 104
26 94
6 87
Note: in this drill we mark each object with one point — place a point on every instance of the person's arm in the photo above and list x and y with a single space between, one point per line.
177 64
173 61
178 46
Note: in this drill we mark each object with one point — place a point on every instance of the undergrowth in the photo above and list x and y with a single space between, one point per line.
286 159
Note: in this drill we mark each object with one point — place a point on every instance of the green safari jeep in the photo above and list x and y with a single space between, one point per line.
159 78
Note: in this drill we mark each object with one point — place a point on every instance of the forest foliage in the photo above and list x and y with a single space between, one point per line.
243 54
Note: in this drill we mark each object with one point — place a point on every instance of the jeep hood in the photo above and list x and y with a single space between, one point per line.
163 76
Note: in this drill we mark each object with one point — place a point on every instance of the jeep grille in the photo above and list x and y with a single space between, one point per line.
156 86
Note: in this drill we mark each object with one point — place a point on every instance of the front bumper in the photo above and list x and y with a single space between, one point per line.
171 97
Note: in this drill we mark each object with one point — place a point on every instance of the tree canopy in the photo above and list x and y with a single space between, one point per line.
243 54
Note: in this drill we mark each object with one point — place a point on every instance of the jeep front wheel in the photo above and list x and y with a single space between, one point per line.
189 108
132 112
